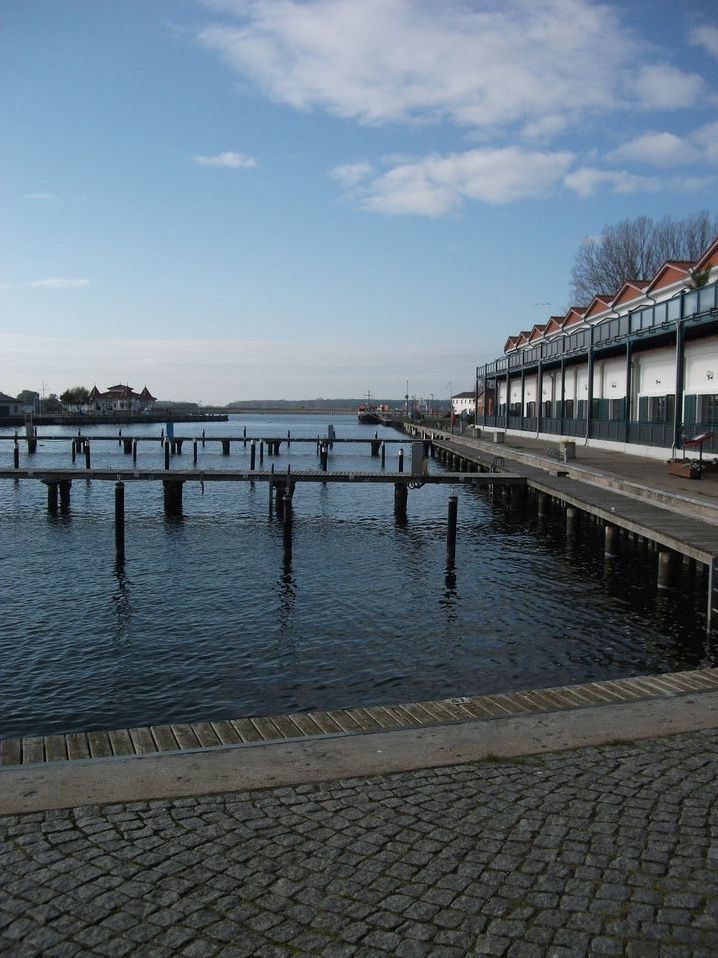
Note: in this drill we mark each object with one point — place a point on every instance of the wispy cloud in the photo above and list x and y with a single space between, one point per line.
705 36
40 197
668 149
435 185
60 282
351 174
386 60
229 161
587 181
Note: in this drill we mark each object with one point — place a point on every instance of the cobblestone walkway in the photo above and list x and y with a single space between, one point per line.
602 851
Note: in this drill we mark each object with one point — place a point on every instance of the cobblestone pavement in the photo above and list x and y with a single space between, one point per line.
601 851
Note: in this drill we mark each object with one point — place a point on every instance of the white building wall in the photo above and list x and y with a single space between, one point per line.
701 375
529 390
609 379
655 372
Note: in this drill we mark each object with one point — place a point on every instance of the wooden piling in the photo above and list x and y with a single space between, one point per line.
383 455
52 497
134 450
87 455
252 454
194 452
225 447
451 530
611 539
666 568
401 495
167 453
261 451
120 521
65 485
126 446
401 460
571 520
287 526
172 497
16 455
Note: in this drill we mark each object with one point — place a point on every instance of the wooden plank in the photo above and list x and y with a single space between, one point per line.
381 716
400 715
55 749
99 743
305 723
246 730
226 732
266 728
206 735
286 726
440 712
11 751
325 722
121 742
142 741
164 739
33 750
345 720
365 721
185 736
77 746
418 714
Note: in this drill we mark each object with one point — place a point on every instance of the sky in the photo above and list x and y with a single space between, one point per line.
253 199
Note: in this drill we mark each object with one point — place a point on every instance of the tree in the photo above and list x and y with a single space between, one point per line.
636 249
27 396
74 396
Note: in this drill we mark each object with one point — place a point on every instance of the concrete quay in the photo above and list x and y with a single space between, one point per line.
522 837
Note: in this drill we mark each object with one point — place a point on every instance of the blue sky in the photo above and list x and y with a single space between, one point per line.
231 199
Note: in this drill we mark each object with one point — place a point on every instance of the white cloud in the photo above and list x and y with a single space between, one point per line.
435 185
40 197
229 160
659 149
587 181
667 149
705 36
479 65
665 87
351 174
60 282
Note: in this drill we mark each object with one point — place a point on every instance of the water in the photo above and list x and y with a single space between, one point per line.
207 621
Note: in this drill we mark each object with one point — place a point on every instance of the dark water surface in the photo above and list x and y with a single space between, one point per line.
206 620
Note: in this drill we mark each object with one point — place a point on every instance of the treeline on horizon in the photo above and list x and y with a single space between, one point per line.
312 403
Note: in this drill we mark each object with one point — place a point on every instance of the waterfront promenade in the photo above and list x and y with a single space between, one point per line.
554 831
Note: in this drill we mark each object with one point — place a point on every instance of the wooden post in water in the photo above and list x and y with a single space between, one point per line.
252 454
375 445
172 497
611 536
271 490
16 455
261 451
65 486
87 454
120 521
289 438
383 455
571 520
119 436
52 497
225 447
126 446
451 530
324 457
194 452
665 569
167 453
203 438
134 450
401 460
401 495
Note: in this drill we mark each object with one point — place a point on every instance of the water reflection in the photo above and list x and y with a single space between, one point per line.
121 605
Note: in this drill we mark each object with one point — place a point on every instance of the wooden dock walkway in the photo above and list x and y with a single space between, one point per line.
144 740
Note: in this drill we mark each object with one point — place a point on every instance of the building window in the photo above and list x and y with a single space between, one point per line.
708 409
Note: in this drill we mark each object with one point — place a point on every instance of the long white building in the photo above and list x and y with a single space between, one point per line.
636 369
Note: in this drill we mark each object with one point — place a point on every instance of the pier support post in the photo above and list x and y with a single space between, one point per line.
172 497
252 454
383 455
666 567
324 457
261 451
225 447
203 438
52 497
87 454
134 450
541 504
194 452
375 445
571 520
451 530
65 485
167 453
120 521
16 455
401 460
611 538
126 446
401 495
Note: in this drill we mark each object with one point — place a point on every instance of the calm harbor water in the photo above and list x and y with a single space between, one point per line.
206 620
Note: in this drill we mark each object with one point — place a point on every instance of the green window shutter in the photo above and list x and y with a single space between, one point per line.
689 410
643 409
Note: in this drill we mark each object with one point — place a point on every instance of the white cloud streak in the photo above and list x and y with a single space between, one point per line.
587 181
60 282
228 161
40 197
706 36
533 63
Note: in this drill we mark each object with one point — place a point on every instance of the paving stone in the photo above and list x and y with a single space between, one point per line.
600 851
